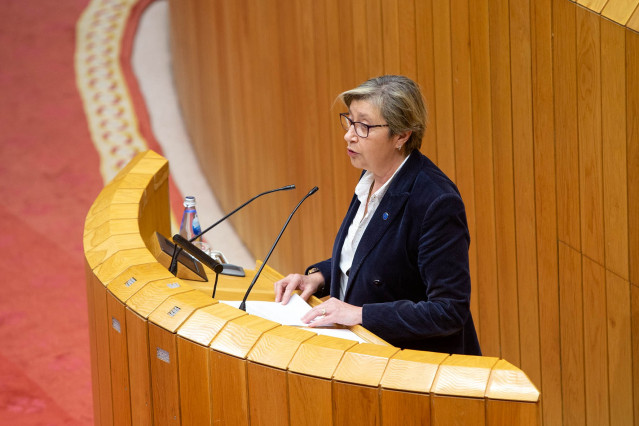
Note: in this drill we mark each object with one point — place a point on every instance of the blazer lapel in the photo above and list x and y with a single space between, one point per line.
386 214
339 243
390 207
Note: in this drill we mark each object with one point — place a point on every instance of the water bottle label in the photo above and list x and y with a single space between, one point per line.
196 226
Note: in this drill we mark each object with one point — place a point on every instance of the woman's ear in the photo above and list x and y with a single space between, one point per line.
403 137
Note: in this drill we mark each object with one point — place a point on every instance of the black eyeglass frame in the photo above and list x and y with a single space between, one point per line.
352 123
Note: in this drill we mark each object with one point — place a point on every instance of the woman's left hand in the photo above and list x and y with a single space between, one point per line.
333 311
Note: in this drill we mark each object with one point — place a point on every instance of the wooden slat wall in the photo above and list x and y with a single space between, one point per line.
533 112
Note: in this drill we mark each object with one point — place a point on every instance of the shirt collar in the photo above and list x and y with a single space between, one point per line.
364 185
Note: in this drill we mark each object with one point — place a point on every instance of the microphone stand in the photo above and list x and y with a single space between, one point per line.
243 304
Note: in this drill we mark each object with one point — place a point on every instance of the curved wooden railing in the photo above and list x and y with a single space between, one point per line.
164 352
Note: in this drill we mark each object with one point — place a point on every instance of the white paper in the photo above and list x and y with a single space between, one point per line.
290 314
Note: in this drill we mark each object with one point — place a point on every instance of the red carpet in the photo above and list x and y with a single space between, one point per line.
49 176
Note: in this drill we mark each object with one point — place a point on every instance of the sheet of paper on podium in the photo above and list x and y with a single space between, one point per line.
290 314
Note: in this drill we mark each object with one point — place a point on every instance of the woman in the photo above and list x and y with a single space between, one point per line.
400 260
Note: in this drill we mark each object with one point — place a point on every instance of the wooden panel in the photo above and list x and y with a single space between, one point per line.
407 46
195 397
524 184
121 261
176 309
619 328
632 111
158 214
152 295
134 278
239 335
139 369
141 175
205 323
501 413
277 346
360 46
595 343
95 387
613 130
229 397
374 37
462 112
120 211
268 395
503 179
111 245
589 126
443 88
310 400
106 198
102 322
452 411
412 370
634 290
212 74
426 74
484 187
620 10
355 402
391 31
164 376
234 27
340 39
319 356
463 375
546 210
364 364
293 71
572 335
405 408
119 356
596 5
566 137
507 382
129 196
633 22
311 16
98 235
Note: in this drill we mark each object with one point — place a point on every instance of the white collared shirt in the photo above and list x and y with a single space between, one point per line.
360 222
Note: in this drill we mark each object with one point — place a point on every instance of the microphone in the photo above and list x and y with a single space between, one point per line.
176 251
195 251
248 291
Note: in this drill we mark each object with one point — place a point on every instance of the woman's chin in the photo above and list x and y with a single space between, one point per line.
356 162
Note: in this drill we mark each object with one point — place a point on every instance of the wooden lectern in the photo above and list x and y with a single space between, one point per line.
163 352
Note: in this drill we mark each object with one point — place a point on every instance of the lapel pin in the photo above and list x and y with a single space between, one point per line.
385 215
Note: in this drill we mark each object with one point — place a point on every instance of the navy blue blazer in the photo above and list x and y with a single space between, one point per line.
410 272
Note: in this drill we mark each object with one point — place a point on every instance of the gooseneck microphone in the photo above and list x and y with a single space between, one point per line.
193 249
257 275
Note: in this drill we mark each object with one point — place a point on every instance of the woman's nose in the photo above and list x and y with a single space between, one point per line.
350 135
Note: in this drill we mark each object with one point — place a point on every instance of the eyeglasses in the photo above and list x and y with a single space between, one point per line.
361 129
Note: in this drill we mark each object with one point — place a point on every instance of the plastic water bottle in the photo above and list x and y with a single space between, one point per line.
190 225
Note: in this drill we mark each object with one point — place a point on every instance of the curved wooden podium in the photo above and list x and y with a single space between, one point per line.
164 352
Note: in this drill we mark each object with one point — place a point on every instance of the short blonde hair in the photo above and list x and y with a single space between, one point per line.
400 103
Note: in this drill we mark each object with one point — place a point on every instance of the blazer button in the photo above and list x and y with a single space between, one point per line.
377 282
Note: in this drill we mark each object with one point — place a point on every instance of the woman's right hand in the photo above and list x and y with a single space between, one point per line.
308 284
